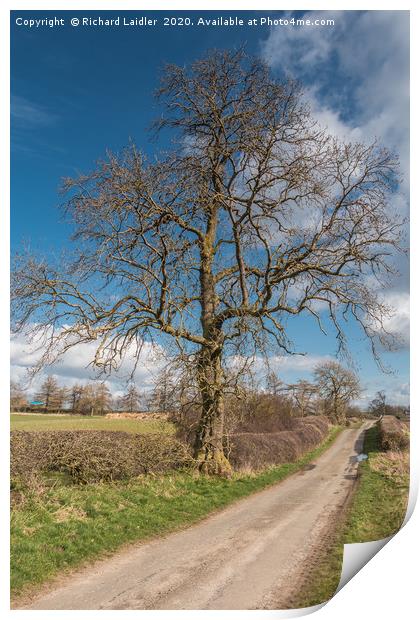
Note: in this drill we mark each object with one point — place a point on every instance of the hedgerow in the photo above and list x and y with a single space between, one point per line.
88 456
259 450
393 434
94 456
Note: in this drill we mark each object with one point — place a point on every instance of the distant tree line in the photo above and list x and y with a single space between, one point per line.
93 398
331 392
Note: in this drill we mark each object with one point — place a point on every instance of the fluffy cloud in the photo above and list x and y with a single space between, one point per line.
287 367
396 392
357 79
356 72
74 366
297 363
399 323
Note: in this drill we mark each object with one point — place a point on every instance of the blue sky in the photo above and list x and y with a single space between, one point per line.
79 91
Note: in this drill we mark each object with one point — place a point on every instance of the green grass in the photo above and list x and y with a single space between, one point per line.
49 422
377 511
65 526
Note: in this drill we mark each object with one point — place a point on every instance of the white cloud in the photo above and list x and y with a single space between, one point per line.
297 363
396 392
399 323
357 79
301 49
366 57
74 366
285 366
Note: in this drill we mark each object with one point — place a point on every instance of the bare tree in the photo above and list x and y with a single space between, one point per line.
102 399
131 401
50 394
87 401
274 385
61 398
305 396
75 397
17 396
257 214
337 386
165 396
378 405
95 399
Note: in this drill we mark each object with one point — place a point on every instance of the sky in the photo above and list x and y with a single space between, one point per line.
78 91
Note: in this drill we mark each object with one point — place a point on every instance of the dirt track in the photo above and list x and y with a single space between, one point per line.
252 555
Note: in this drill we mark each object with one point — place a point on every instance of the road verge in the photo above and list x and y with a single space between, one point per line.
375 511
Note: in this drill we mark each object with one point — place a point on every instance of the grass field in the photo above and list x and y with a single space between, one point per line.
377 511
47 422
62 527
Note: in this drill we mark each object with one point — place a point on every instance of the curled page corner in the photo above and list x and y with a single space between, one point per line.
356 556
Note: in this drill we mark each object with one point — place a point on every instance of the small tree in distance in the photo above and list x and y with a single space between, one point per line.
274 385
102 398
131 401
165 395
75 397
337 386
51 394
305 396
17 396
378 405
255 216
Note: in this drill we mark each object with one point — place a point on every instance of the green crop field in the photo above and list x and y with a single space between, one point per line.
47 422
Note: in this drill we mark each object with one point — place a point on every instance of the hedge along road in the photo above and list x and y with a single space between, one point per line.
254 554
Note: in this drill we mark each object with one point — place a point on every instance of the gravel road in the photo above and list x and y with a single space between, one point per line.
252 555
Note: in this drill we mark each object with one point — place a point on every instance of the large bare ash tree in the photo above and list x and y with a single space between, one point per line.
255 215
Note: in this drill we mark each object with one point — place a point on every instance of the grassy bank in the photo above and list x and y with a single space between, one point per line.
377 511
62 527
49 422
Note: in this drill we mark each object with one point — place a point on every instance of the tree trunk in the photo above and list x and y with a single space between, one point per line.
209 438
340 411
